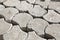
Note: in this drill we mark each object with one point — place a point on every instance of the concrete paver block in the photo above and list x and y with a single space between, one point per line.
14 34
8 13
38 25
44 4
22 19
52 16
54 30
37 11
24 6
56 6
33 36
4 26
11 2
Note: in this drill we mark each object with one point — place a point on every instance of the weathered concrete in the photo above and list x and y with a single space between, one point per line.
54 30
38 25
15 34
11 2
33 36
37 11
52 16
22 19
8 13
4 26
24 6
56 6
44 4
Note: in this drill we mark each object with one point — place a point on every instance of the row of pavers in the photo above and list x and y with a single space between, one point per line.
37 24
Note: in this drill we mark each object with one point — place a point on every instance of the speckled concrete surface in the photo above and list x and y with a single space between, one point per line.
29 19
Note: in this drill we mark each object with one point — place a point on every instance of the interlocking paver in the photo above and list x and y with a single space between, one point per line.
38 25
22 19
24 6
33 36
15 34
56 6
54 30
37 11
32 17
44 4
8 13
52 16
11 2
4 26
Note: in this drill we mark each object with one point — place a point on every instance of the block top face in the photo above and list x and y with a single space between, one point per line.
34 36
8 13
52 16
11 2
15 34
22 19
38 25
4 26
37 11
54 30
24 6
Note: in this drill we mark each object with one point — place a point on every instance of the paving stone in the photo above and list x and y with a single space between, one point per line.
15 34
22 36
4 26
22 19
52 16
38 25
24 6
54 30
8 13
44 4
37 11
33 36
11 2
56 6
31 1
2 7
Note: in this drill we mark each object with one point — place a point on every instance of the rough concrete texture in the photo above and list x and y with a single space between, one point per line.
37 11
22 19
29 19
53 30
8 13
24 6
4 26
38 25
34 36
52 16
15 34
11 2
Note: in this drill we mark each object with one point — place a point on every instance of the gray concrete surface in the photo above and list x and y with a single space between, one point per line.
29 20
